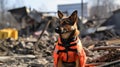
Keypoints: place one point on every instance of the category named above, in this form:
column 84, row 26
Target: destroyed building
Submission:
column 32, row 20
column 114, row 20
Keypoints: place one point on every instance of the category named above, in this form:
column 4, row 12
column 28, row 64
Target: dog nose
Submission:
column 57, row 30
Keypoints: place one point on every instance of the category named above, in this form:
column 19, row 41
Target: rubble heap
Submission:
column 20, row 53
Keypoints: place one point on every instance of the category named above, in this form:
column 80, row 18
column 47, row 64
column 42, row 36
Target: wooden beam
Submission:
column 110, row 63
column 105, row 48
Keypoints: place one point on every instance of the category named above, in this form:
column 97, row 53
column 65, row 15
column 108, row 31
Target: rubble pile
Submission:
column 102, row 49
column 21, row 53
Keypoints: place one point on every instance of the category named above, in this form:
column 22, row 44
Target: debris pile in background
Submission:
column 102, row 50
column 21, row 52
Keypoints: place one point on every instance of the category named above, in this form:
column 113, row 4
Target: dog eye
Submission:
column 69, row 22
column 64, row 23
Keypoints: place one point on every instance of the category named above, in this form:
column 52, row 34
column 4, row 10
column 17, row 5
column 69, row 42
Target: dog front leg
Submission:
column 77, row 63
column 60, row 63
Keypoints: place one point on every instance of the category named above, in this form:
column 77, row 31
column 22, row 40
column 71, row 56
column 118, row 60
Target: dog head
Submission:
column 67, row 26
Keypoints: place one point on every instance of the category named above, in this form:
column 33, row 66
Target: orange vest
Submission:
column 69, row 53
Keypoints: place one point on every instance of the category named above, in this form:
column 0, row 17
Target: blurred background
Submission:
column 27, row 33
column 11, row 16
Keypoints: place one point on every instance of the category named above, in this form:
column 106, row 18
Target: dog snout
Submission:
column 60, row 30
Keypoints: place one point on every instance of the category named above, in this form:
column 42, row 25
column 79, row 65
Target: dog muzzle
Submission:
column 59, row 31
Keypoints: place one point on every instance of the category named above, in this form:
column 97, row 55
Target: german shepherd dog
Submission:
column 68, row 50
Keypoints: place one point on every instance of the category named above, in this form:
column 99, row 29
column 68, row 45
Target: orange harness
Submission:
column 69, row 52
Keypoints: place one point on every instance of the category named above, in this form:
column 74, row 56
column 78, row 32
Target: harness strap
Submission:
column 68, row 45
column 74, row 50
column 66, row 51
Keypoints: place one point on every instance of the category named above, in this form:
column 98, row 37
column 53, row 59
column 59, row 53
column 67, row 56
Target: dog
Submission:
column 68, row 50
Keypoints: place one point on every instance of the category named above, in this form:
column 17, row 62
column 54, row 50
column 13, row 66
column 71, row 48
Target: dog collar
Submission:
column 71, row 41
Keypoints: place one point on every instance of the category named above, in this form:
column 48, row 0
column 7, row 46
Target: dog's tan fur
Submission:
column 70, row 28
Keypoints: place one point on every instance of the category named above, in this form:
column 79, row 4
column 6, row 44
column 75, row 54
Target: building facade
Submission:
column 69, row 8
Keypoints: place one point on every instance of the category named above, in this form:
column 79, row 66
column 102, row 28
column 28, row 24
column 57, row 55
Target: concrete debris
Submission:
column 23, row 52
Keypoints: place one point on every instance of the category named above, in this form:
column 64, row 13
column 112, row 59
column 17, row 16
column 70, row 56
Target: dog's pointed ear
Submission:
column 60, row 14
column 74, row 17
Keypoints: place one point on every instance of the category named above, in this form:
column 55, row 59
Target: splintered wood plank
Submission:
column 113, row 42
column 110, row 63
column 105, row 48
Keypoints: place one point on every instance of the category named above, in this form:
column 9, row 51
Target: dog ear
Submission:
column 60, row 14
column 74, row 17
